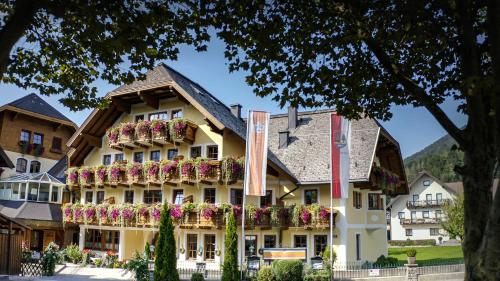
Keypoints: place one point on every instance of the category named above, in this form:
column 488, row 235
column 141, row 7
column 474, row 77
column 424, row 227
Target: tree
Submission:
column 166, row 257
column 230, row 266
column 362, row 57
column 454, row 218
column 63, row 47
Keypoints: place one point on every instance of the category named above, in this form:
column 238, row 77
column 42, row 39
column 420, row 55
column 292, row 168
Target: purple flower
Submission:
column 67, row 212
column 115, row 173
column 187, row 169
column 179, row 127
column 115, row 213
column 306, row 216
column 157, row 128
column 323, row 214
column 78, row 213
column 127, row 129
column 258, row 215
column 155, row 213
column 73, row 176
column 153, row 170
column 89, row 213
column 101, row 173
column 103, row 212
column 176, row 212
column 203, row 169
column 207, row 213
column 237, row 210
column 143, row 211
column 127, row 213
column 85, row 174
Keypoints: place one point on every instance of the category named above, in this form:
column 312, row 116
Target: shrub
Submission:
column 411, row 252
column 139, row 266
column 266, row 274
column 166, row 254
column 288, row 270
column 147, row 251
column 49, row 259
column 74, row 254
column 230, row 270
column 98, row 262
column 326, row 255
column 317, row 275
column 384, row 261
column 408, row 242
column 197, row 276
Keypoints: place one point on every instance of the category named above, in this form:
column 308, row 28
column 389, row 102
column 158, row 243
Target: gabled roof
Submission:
column 59, row 169
column 163, row 76
column 32, row 103
column 5, row 160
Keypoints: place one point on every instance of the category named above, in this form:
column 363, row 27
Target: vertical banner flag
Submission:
column 340, row 142
column 256, row 153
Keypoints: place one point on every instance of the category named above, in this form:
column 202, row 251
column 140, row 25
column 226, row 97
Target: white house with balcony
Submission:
column 418, row 215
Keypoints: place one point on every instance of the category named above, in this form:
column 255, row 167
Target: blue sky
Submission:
column 414, row 128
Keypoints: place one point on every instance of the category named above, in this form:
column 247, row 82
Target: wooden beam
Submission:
column 213, row 128
column 92, row 140
column 149, row 100
column 121, row 105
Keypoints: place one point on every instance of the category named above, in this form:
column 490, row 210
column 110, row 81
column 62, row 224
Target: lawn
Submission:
column 429, row 255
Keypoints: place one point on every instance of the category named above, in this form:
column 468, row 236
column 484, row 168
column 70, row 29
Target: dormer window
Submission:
column 21, row 165
column 35, row 167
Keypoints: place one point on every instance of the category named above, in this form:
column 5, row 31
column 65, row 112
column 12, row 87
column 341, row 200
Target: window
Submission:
column 21, row 165
column 56, row 144
column 89, row 195
column 439, row 214
column 409, row 232
column 15, row 190
column 439, row 197
column 413, row 215
column 428, row 197
column 119, row 157
column 44, row 192
column 129, row 196
column 209, row 246
column 139, row 117
column 37, row 139
column 358, row 246
column 415, row 197
column 159, row 116
column 300, row 241
column 25, row 136
column 35, row 167
column 310, row 196
column 320, row 242
column 36, row 243
column 401, row 215
column 172, row 153
column 102, row 240
column 99, row 197
column 425, row 214
column 375, row 201
column 22, row 195
column 54, row 196
column 266, row 200
column 250, row 245
column 269, row 241
column 177, row 113
column 154, row 155
column 356, row 199
column 191, row 245
column 106, row 159
column 236, row 197
column 177, row 196
column 138, row 157
column 427, row 182
column 213, row 152
column 209, row 195
column 434, row 231
column 152, row 196
column 33, row 191
column 195, row 152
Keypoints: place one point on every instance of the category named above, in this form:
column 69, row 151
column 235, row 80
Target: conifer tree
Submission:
column 230, row 266
column 166, row 258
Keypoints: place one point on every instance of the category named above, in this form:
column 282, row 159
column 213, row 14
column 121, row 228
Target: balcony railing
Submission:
column 420, row 221
column 190, row 215
column 228, row 170
column 426, row 203
column 147, row 133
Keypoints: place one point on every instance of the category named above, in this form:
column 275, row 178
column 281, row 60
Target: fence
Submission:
column 32, row 268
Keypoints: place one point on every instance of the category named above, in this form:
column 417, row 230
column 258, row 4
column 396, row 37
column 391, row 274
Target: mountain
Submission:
column 437, row 158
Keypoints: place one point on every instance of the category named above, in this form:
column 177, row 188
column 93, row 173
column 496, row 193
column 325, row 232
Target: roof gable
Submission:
column 34, row 103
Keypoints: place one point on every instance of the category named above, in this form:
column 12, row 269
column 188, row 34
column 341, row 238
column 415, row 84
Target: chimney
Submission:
column 283, row 139
column 236, row 110
column 292, row 118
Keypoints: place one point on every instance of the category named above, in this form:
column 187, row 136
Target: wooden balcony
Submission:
column 420, row 221
column 426, row 203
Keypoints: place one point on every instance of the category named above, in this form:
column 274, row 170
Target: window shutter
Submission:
column 354, row 198
column 360, row 200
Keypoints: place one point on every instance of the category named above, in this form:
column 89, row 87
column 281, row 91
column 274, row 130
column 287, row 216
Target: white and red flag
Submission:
column 340, row 141
column 256, row 153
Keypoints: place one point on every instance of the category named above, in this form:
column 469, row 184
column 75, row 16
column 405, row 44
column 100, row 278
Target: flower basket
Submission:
column 152, row 171
column 67, row 212
column 102, row 213
column 155, row 213
column 127, row 132
column 135, row 172
column 72, row 176
column 176, row 213
column 142, row 214
column 116, row 173
column 77, row 213
column 101, row 174
column 182, row 130
column 189, row 213
column 113, row 135
column 143, row 130
column 127, row 214
column 86, row 176
column 207, row 170
column 169, row 170
column 89, row 214
column 159, row 130
column 188, row 170
column 232, row 169
column 114, row 214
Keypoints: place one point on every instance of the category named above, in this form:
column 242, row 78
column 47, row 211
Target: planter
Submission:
column 182, row 130
column 412, row 260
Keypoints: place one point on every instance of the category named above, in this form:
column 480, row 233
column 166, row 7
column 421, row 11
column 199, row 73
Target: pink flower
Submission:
column 207, row 213
column 187, row 169
column 85, row 174
column 176, row 212
column 179, row 127
column 324, row 214
column 101, row 173
column 306, row 216
column 73, row 176
column 258, row 215
column 103, row 212
column 153, row 170
column 89, row 213
column 203, row 169
column 127, row 214
column 143, row 211
column 237, row 210
column 67, row 212
column 78, row 213
column 115, row 173
column 155, row 213
column 115, row 213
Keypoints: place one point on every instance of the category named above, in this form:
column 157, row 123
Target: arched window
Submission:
column 21, row 165
column 35, row 167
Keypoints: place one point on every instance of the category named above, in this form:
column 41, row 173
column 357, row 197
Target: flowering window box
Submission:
column 182, row 130
column 152, row 172
column 208, row 170
column 159, row 132
column 135, row 173
column 113, row 135
column 86, row 176
column 169, row 171
column 187, row 170
column 72, row 177
column 143, row 133
column 127, row 134
column 117, row 174
column 101, row 175
column 232, row 169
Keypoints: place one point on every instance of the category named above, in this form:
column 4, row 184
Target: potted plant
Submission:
column 411, row 254
column 168, row 170
column 101, row 173
column 127, row 132
column 72, row 176
column 135, row 172
column 188, row 171
column 232, row 169
column 151, row 169
column 114, row 172
column 142, row 130
column 86, row 175
column 159, row 129
column 113, row 135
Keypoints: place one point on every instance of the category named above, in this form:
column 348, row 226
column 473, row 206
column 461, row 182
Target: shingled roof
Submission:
column 31, row 210
column 307, row 155
column 34, row 103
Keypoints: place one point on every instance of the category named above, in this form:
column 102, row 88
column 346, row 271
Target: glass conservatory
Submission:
column 40, row 187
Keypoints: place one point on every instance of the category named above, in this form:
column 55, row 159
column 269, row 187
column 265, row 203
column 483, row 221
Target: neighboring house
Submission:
column 32, row 141
column 114, row 175
column 418, row 216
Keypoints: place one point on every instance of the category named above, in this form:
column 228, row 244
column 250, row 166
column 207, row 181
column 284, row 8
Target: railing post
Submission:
column 411, row 272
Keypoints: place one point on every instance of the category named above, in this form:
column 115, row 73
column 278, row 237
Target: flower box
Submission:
column 117, row 173
column 187, row 170
column 101, row 175
column 127, row 131
column 113, row 135
column 86, row 176
column 232, row 169
column 72, row 176
column 182, row 130
column 159, row 131
column 152, row 171
column 208, row 170
column 135, row 173
column 169, row 171
column 143, row 132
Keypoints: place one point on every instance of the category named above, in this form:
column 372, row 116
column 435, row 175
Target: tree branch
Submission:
column 16, row 25
column 416, row 91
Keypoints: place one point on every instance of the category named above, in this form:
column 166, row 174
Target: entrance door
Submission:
column 36, row 243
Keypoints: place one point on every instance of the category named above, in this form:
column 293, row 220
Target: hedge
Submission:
column 288, row 270
column 404, row 243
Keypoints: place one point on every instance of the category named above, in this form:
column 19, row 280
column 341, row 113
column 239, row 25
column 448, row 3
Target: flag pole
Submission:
column 242, row 254
column 332, row 140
